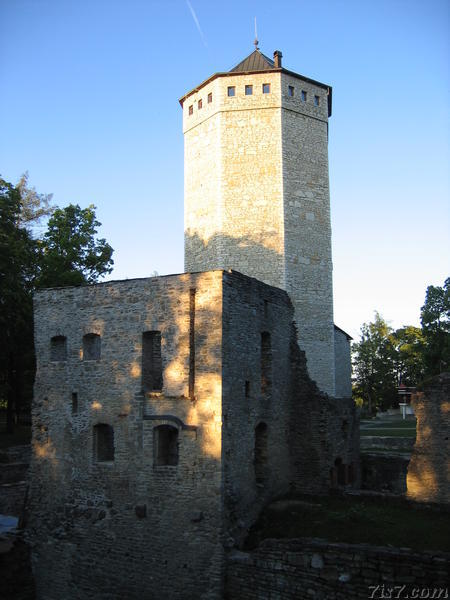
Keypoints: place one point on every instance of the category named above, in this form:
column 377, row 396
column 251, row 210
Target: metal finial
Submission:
column 256, row 37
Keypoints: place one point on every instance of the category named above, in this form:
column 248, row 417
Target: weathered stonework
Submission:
column 257, row 193
column 343, row 364
column 308, row 568
column 249, row 425
column 168, row 411
column 428, row 478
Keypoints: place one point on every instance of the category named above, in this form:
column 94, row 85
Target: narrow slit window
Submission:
column 192, row 343
column 152, row 380
column 248, row 90
column 200, row 104
column 103, row 443
column 260, row 453
column 266, row 363
column 210, row 98
column 304, row 96
column 266, row 88
column 191, row 109
column 316, row 100
column 165, row 448
column 91, row 346
column 291, row 91
column 58, row 348
column 74, row 403
column 231, row 90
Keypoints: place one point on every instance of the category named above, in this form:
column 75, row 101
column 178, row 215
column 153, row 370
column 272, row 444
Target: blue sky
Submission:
column 89, row 106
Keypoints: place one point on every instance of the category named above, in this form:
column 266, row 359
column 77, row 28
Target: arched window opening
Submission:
column 266, row 363
column 260, row 454
column 165, row 445
column 91, row 346
column 103, row 443
column 58, row 348
column 152, row 380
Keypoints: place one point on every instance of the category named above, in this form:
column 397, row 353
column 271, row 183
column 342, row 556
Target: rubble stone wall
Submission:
column 428, row 478
column 127, row 528
column 313, row 568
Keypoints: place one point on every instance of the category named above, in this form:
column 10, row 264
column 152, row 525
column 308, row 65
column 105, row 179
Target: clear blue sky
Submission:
column 89, row 106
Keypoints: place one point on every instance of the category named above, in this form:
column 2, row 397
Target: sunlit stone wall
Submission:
column 127, row 528
column 257, row 195
column 428, row 477
column 249, row 425
column 307, row 228
column 233, row 178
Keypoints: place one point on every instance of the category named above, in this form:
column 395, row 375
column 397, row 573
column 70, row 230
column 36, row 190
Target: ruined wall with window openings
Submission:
column 171, row 438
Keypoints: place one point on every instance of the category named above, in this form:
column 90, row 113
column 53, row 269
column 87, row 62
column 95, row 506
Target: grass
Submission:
column 387, row 424
column 354, row 520
column 389, row 428
column 399, row 433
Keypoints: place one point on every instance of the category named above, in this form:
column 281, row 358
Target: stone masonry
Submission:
column 167, row 412
column 257, row 192
column 428, row 478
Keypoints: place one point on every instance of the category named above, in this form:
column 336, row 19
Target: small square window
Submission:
column 303, row 96
column 248, row 90
column 316, row 100
column 231, row 90
column 210, row 98
column 200, row 104
column 291, row 90
column 191, row 109
column 266, row 88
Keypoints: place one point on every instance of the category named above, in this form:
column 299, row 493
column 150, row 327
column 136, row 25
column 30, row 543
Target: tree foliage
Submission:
column 70, row 252
column 435, row 319
column 18, row 264
column 383, row 358
column 33, row 206
column 373, row 364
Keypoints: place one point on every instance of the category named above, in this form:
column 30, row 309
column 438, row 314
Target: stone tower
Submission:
column 257, row 193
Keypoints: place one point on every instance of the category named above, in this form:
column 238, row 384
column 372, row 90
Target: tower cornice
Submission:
column 328, row 88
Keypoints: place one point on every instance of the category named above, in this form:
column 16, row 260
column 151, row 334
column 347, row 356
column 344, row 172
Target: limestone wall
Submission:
column 428, row 478
column 307, row 228
column 343, row 364
column 233, row 178
column 314, row 568
column 142, row 477
column 257, row 195
column 127, row 527
column 252, row 405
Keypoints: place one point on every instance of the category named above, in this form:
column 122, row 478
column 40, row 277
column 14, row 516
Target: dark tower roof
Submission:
column 256, row 61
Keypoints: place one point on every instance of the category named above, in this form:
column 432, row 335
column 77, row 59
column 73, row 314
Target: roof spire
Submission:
column 256, row 37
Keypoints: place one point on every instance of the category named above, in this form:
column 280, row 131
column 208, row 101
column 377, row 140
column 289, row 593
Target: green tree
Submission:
column 70, row 252
column 409, row 346
column 18, row 260
column 435, row 319
column 33, row 206
column 375, row 376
